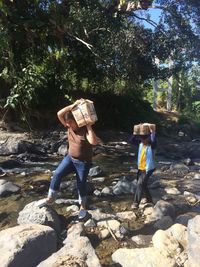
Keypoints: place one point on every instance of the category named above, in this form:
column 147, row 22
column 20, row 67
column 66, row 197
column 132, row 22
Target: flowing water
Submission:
column 34, row 178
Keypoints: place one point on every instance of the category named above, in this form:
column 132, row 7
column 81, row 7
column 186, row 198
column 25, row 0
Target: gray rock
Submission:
column 183, row 219
column 161, row 209
column 194, row 241
column 62, row 150
column 8, row 188
column 10, row 164
column 26, row 245
column 141, row 257
column 45, row 216
column 124, row 186
column 95, row 171
column 164, row 223
column 75, row 245
column 142, row 240
column 107, row 191
column 179, row 168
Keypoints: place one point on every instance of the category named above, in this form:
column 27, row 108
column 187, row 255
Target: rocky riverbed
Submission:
column 112, row 234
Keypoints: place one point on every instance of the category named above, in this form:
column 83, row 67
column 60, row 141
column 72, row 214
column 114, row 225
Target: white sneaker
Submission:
column 43, row 202
column 82, row 214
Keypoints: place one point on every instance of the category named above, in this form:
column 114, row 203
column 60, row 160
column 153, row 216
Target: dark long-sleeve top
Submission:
column 136, row 140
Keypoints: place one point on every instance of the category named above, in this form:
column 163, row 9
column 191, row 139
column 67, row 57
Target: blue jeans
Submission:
column 69, row 165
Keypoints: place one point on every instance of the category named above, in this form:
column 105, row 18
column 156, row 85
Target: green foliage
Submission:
column 55, row 51
column 23, row 92
column 196, row 108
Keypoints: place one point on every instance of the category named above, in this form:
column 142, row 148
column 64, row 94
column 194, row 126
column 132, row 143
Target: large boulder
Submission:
column 194, row 241
column 32, row 214
column 26, row 245
column 141, row 257
column 76, row 246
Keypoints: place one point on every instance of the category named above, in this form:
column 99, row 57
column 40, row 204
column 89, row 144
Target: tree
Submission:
column 56, row 49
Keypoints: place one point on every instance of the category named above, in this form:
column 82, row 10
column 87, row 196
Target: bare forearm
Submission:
column 91, row 136
column 61, row 113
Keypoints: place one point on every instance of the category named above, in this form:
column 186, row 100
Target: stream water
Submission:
column 34, row 178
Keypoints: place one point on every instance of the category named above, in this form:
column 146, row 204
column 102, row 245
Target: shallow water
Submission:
column 34, row 179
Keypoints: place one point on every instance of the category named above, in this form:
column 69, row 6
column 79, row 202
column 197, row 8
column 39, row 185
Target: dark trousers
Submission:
column 142, row 187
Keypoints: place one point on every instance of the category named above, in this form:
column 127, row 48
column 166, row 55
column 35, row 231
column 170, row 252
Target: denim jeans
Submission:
column 142, row 188
column 69, row 165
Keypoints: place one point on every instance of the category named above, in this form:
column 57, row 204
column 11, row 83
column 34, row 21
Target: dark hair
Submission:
column 69, row 116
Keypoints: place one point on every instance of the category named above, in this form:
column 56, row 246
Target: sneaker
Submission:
column 82, row 214
column 43, row 202
column 134, row 206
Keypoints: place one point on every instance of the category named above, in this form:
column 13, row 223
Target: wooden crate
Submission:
column 84, row 113
column 143, row 128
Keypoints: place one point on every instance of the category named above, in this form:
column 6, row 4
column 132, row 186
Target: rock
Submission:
column 72, row 208
column 8, row 188
column 14, row 145
column 45, row 216
column 165, row 208
column 126, row 215
column 97, row 215
column 69, row 261
column 194, row 241
column 112, row 224
column 95, row 171
column 75, row 245
column 172, row 242
column 99, row 179
column 172, row 191
column 62, row 150
column 179, row 233
column 90, row 223
column 26, row 245
column 124, row 186
column 164, row 223
column 188, row 162
column 104, row 233
column 155, row 185
column 107, row 191
column 141, row 257
column 10, row 164
column 183, row 219
column 142, row 240
column 179, row 168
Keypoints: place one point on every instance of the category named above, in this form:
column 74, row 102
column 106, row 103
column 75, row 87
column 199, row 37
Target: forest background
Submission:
column 55, row 51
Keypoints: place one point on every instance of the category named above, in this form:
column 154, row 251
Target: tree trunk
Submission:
column 178, row 101
column 155, row 90
column 169, row 92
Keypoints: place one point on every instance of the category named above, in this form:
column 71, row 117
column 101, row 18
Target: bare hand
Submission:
column 77, row 102
column 151, row 128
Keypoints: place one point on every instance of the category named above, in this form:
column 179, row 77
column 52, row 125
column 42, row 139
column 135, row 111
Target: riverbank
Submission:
column 28, row 159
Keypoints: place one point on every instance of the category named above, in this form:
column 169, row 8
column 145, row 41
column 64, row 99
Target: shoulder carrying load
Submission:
column 84, row 113
column 143, row 128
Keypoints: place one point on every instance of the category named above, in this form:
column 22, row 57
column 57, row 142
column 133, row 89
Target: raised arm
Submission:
column 153, row 137
column 91, row 136
column 134, row 140
column 61, row 113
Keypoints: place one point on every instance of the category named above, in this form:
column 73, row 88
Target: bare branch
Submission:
column 89, row 46
column 147, row 20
